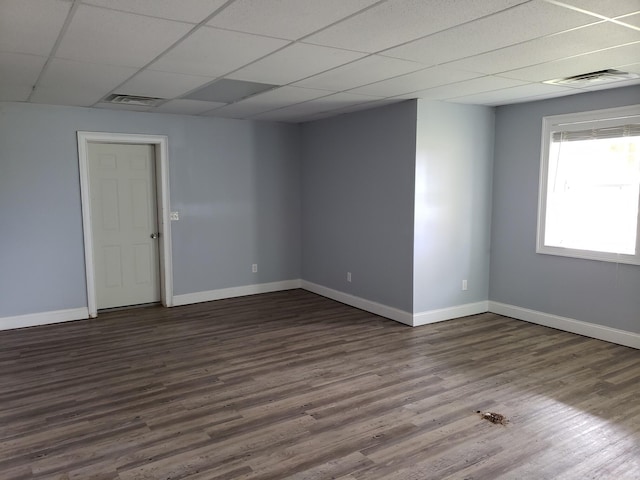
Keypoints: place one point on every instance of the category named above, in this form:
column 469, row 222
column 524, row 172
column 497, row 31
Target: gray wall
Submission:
column 598, row 292
column 358, row 184
column 454, row 158
column 246, row 197
column 235, row 183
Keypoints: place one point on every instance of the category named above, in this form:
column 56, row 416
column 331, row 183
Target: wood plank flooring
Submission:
column 291, row 385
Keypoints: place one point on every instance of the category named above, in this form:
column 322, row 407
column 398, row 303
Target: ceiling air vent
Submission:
column 594, row 78
column 120, row 99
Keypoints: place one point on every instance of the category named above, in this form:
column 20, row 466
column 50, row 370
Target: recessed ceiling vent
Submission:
column 120, row 99
column 594, row 78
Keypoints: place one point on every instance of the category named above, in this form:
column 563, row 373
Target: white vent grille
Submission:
column 594, row 78
column 120, row 99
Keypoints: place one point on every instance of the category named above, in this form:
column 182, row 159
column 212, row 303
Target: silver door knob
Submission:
column 155, row 235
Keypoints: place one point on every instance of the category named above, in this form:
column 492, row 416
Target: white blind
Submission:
column 629, row 130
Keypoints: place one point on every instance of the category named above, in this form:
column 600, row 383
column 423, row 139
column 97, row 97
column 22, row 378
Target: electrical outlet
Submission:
column 254, row 268
column 348, row 276
column 464, row 284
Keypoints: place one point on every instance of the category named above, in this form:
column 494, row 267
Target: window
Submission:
column 589, row 200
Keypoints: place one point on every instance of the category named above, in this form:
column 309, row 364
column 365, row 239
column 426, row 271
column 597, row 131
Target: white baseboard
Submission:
column 361, row 303
column 433, row 316
column 43, row 318
column 621, row 337
column 189, row 298
column 613, row 335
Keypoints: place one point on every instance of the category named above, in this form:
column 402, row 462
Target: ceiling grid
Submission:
column 309, row 59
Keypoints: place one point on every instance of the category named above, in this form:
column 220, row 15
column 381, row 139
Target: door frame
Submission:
column 161, row 151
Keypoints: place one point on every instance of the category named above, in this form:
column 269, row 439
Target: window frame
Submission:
column 578, row 121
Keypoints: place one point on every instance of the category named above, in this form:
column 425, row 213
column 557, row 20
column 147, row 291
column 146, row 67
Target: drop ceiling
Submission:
column 322, row 58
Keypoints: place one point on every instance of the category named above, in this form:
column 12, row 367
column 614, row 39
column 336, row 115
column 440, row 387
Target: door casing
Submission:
column 160, row 144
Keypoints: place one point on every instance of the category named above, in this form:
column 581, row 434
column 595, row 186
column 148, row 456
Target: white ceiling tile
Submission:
column 193, row 11
column 338, row 100
column 412, row 82
column 518, row 24
column 282, row 116
column 83, row 74
column 618, row 84
column 290, row 19
column 330, row 102
column 508, row 95
column 115, row 106
column 19, row 70
column 553, row 47
column 294, row 63
column 287, row 95
column 69, row 82
column 14, row 93
column 568, row 67
column 571, row 91
column 534, row 98
column 273, row 99
column 106, row 36
column 608, row 8
column 214, row 52
column 397, row 21
column 468, row 87
column 317, row 116
column 632, row 67
column 61, row 95
column 151, row 83
column 31, row 26
column 633, row 20
column 187, row 107
column 108, row 41
column 365, row 106
column 235, row 111
column 18, row 74
column 361, row 72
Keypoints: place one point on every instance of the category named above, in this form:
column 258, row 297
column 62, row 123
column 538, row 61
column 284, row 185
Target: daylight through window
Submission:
column 590, row 185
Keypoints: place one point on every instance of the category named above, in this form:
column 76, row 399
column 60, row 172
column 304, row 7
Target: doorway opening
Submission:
column 116, row 273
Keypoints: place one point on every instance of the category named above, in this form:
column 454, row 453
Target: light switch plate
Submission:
column 174, row 216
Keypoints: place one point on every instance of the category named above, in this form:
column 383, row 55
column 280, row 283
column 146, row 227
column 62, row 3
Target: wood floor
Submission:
column 291, row 385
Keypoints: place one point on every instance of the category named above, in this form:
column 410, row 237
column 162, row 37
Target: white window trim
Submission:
column 610, row 116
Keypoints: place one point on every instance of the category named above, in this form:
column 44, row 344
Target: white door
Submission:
column 124, row 224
